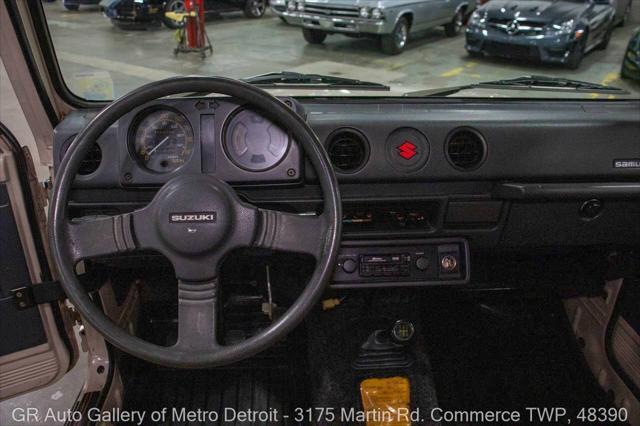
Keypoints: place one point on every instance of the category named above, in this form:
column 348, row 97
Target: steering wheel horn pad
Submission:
column 194, row 213
column 195, row 221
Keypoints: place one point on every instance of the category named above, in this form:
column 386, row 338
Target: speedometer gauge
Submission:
column 253, row 142
column 162, row 140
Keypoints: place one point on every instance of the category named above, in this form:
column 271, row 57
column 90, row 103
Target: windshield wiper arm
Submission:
column 541, row 82
column 289, row 79
column 532, row 82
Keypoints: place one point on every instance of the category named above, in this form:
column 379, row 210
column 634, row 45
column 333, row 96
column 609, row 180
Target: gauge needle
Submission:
column 158, row 146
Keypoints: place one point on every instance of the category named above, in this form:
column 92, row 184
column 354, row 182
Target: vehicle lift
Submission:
column 192, row 37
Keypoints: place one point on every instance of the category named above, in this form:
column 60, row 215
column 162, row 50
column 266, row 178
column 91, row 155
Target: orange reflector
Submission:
column 386, row 401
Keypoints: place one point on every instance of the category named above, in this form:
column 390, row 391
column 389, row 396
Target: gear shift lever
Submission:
column 387, row 348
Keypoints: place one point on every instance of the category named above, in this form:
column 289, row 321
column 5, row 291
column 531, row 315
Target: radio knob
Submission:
column 422, row 263
column 349, row 266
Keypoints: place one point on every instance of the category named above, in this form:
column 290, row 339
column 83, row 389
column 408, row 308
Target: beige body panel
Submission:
column 625, row 343
column 589, row 318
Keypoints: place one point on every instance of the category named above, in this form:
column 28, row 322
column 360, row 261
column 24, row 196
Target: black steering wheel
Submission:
column 195, row 220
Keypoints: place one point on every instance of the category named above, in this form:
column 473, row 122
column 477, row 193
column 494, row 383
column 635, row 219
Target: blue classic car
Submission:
column 75, row 4
column 139, row 13
column 390, row 20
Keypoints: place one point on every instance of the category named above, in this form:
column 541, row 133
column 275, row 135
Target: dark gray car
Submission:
column 546, row 30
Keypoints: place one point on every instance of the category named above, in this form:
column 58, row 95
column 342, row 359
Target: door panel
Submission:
column 32, row 352
column 598, row 23
column 13, row 271
column 590, row 318
column 625, row 348
column 429, row 13
column 624, row 332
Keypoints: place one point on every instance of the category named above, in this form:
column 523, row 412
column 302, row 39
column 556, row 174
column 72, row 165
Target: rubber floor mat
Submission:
column 335, row 340
column 507, row 354
column 216, row 397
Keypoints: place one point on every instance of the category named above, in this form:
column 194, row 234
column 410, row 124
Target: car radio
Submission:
column 405, row 263
column 390, row 265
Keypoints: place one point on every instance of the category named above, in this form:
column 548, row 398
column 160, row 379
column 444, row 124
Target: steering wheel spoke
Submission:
column 290, row 232
column 197, row 316
column 101, row 236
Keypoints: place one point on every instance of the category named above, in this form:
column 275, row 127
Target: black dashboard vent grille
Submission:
column 348, row 150
column 466, row 149
column 91, row 161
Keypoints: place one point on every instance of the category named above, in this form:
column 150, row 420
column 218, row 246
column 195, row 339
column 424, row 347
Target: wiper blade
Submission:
column 539, row 82
column 532, row 82
column 291, row 79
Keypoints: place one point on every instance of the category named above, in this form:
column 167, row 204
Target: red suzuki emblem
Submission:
column 407, row 150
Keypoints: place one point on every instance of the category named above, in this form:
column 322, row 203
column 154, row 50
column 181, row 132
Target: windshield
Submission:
column 353, row 47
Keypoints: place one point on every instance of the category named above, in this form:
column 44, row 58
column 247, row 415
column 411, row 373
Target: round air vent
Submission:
column 91, row 161
column 465, row 148
column 348, row 150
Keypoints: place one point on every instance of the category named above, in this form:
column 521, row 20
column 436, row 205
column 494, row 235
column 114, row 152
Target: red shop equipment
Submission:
column 192, row 37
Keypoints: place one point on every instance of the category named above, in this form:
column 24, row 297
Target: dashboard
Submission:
column 419, row 178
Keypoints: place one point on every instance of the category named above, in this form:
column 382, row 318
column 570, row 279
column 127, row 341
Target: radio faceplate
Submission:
column 364, row 264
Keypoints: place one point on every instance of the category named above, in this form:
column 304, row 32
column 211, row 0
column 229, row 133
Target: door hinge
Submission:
column 37, row 294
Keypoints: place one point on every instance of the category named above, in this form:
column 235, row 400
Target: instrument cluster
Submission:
column 174, row 136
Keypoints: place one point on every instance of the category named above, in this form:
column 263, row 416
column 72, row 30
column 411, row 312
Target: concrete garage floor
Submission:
column 89, row 47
